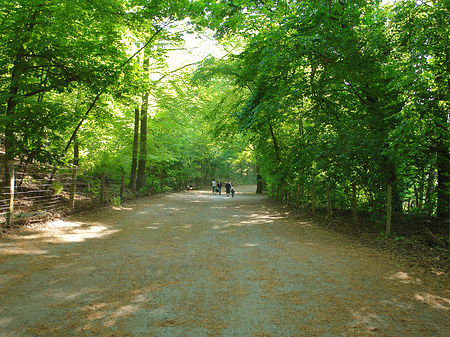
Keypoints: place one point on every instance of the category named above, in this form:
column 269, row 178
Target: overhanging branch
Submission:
column 97, row 97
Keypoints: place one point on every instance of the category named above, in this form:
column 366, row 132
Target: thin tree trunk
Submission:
column 392, row 180
column 313, row 200
column 329, row 206
column 76, row 153
column 259, row 184
column 354, row 204
column 275, row 144
column 135, row 150
column 10, row 109
column 16, row 74
column 161, row 180
column 11, row 175
column 428, row 205
column 122, row 187
column 86, row 114
column 389, row 210
column 141, row 174
column 443, row 189
column 73, row 186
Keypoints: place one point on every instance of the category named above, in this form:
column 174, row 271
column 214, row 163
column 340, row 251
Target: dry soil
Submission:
column 198, row 264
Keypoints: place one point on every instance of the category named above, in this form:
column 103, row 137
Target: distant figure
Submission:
column 219, row 187
column 213, row 184
column 232, row 192
column 228, row 188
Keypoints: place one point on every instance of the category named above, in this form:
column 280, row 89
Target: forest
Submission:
column 320, row 103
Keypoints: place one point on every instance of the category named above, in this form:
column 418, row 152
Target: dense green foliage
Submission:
column 75, row 69
column 343, row 92
column 327, row 92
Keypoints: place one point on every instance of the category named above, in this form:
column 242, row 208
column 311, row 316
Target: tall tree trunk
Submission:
column 16, row 74
column 161, row 179
column 430, row 188
column 392, row 180
column 141, row 174
column 443, row 153
column 275, row 144
column 259, row 181
column 10, row 109
column 135, row 150
column 76, row 153
column 443, row 188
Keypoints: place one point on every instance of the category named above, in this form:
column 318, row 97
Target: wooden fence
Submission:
column 309, row 197
column 288, row 194
column 39, row 191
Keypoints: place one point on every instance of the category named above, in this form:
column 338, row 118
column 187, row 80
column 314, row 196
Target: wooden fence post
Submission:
column 354, row 204
column 102, row 189
column 10, row 214
column 73, row 185
column 329, row 209
column 389, row 210
column 313, row 201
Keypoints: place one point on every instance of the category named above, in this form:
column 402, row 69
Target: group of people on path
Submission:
column 217, row 188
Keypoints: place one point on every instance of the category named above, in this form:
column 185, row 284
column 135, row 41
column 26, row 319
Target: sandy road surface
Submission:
column 194, row 264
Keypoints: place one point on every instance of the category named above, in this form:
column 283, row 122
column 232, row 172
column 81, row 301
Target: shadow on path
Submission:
column 198, row 264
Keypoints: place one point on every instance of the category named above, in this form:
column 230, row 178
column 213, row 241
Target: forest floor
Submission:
column 197, row 264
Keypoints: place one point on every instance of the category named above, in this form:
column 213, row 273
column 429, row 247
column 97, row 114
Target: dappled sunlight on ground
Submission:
column 366, row 319
column 31, row 240
column 197, row 264
column 305, row 224
column 122, row 311
column 62, row 224
column 198, row 201
column 121, row 208
column 86, row 233
column 61, row 296
column 218, row 207
column 22, row 251
column 435, row 301
column 4, row 321
column 250, row 244
column 403, row 277
column 108, row 314
column 395, row 303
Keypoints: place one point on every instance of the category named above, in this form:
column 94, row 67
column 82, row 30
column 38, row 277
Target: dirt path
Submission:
column 194, row 264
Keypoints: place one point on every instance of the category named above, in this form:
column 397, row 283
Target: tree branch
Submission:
column 103, row 90
column 176, row 70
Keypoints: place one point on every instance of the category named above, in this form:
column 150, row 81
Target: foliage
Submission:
column 313, row 93
column 347, row 92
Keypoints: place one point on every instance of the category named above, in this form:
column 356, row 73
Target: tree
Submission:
column 141, row 173
column 46, row 54
column 134, row 159
column 422, row 44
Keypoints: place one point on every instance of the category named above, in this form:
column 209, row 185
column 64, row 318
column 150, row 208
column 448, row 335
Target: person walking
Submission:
column 213, row 184
column 219, row 187
column 228, row 188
